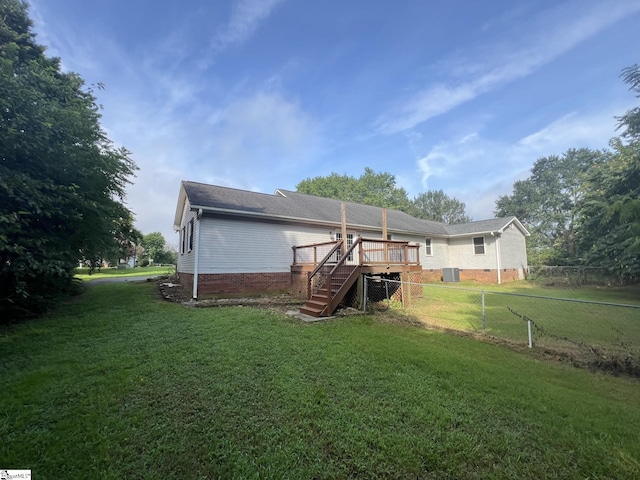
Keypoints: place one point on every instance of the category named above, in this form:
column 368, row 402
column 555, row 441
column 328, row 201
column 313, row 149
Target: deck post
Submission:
column 343, row 226
column 384, row 235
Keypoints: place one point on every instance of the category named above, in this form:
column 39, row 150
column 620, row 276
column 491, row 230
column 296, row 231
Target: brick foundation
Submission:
column 238, row 283
column 480, row 276
column 299, row 279
column 483, row 276
column 295, row 282
column 432, row 275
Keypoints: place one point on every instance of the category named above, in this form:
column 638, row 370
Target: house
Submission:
column 240, row 242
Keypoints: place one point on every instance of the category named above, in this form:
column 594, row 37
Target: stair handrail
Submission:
column 346, row 254
column 322, row 263
column 331, row 298
column 326, row 258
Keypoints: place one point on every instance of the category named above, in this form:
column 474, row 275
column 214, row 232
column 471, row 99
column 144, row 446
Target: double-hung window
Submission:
column 478, row 245
column 427, row 246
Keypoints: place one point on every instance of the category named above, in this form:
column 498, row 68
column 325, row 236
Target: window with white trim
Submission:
column 183, row 235
column 427, row 246
column 478, row 245
column 190, row 243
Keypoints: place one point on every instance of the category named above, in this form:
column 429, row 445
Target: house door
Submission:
column 349, row 243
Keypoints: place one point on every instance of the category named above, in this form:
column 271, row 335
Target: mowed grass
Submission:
column 118, row 384
column 106, row 272
column 557, row 323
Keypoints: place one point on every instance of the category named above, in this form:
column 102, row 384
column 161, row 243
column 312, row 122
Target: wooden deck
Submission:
column 331, row 273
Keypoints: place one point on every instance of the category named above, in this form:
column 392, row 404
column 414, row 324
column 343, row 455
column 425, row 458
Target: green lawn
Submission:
column 83, row 273
column 117, row 384
column 596, row 333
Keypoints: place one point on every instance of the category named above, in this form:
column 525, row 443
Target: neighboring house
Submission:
column 238, row 242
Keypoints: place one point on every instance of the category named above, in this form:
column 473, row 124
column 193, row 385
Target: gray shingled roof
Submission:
column 299, row 206
column 480, row 226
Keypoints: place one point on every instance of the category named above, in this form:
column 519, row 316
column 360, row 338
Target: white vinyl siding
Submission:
column 513, row 249
column 186, row 259
column 240, row 246
column 461, row 254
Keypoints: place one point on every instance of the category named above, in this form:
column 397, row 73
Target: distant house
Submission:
column 241, row 242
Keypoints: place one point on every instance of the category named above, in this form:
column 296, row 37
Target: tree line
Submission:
column 583, row 207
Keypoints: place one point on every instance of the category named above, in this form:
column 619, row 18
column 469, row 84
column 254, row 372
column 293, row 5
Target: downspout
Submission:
column 498, row 256
column 196, row 259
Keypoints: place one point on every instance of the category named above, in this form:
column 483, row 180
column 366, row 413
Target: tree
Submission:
column 154, row 245
column 548, row 202
column 62, row 182
column 630, row 121
column 371, row 188
column 610, row 235
column 438, row 206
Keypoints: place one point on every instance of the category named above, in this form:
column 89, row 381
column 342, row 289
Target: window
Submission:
column 184, row 239
column 427, row 246
column 478, row 245
column 191, row 234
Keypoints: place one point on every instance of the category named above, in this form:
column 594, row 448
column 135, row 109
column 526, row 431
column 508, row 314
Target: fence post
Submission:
column 483, row 317
column 529, row 332
column 386, row 289
column 364, row 294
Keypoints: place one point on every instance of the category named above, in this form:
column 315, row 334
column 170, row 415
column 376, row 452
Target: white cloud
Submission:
column 555, row 34
column 250, row 143
column 246, row 16
column 477, row 170
column 263, row 126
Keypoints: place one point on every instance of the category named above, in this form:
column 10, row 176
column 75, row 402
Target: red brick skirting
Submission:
column 238, row 283
column 477, row 275
column 295, row 282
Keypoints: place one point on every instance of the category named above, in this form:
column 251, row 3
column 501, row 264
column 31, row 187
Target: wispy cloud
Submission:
column 500, row 65
column 246, row 16
column 478, row 156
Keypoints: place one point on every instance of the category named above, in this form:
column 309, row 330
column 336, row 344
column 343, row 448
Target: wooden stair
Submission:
column 325, row 301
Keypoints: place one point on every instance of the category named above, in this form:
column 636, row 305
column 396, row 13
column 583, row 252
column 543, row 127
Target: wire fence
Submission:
column 595, row 334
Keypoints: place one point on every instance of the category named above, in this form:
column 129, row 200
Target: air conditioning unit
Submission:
column 450, row 274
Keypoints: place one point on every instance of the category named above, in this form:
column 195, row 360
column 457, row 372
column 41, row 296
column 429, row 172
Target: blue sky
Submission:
column 461, row 96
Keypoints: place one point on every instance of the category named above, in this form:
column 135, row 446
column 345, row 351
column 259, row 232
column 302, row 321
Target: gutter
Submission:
column 498, row 235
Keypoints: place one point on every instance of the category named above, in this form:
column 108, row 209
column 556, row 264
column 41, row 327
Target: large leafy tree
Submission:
column 610, row 235
column 371, row 188
column 438, row 206
column 62, row 181
column 548, row 203
column 154, row 246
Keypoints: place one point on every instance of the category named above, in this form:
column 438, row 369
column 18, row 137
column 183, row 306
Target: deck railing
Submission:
column 369, row 251
column 373, row 251
column 314, row 253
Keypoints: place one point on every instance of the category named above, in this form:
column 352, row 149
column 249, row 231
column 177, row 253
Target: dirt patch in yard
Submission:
column 172, row 291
